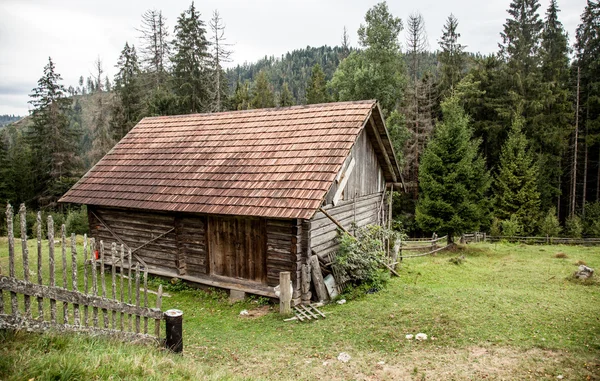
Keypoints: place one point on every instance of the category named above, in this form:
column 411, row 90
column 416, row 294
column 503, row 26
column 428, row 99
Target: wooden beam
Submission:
column 343, row 180
column 383, row 150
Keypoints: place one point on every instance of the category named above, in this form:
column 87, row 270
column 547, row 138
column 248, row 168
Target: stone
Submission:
column 584, row 272
column 236, row 296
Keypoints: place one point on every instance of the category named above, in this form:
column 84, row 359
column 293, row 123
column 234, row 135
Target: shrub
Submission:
column 591, row 222
column 77, row 221
column 512, row 227
column 573, row 227
column 496, row 228
column 360, row 259
column 550, row 225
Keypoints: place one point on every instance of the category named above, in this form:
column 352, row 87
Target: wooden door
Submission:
column 237, row 248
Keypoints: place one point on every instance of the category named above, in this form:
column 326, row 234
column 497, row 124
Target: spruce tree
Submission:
column 316, row 89
column 452, row 58
column 557, row 116
column 263, row 92
column 515, row 186
column 241, row 96
column 155, row 48
column 128, row 106
column 453, row 178
column 53, row 144
column 587, row 49
column 286, row 98
column 191, row 63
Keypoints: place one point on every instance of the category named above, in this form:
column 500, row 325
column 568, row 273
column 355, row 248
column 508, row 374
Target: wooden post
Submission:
column 306, row 294
column 285, row 296
column 130, row 325
column 317, row 278
column 51, row 266
column 25, row 251
column 39, row 264
column 113, row 256
column 63, row 242
column 174, row 327
column 85, row 278
column 76, row 319
column 158, row 307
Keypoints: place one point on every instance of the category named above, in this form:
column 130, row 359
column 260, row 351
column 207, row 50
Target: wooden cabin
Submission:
column 231, row 199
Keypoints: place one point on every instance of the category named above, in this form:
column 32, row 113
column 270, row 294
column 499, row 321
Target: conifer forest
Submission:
column 507, row 143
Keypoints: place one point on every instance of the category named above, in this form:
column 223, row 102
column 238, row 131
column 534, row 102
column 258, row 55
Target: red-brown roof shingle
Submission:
column 269, row 162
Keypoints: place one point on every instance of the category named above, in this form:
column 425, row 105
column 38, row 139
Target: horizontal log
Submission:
column 30, row 325
column 69, row 296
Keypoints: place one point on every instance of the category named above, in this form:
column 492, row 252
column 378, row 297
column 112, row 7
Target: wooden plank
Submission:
column 113, row 273
column 137, row 296
column 121, row 294
column 344, row 180
column 158, row 308
column 384, row 152
column 70, row 296
column 14, row 306
column 285, row 295
column 317, row 279
column 103, row 279
column 145, row 299
column 85, row 278
column 94, row 280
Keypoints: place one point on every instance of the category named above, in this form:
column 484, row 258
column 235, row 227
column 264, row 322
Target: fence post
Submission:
column 174, row 328
column 285, row 297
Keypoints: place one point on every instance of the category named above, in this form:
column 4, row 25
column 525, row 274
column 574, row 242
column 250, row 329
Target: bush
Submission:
column 77, row 221
column 496, row 228
column 591, row 222
column 512, row 227
column 550, row 226
column 573, row 227
column 360, row 259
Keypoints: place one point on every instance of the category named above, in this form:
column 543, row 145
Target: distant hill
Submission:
column 8, row 119
column 293, row 67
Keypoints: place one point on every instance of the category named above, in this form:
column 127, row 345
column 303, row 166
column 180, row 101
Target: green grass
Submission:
column 508, row 312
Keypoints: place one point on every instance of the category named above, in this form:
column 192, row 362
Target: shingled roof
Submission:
column 270, row 162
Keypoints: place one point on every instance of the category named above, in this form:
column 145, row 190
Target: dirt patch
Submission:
column 256, row 312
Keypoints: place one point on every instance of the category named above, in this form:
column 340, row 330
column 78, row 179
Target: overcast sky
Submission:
column 74, row 32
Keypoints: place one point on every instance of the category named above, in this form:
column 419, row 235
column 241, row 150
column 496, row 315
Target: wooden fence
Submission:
column 483, row 237
column 95, row 309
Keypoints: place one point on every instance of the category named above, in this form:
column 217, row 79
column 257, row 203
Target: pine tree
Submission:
column 53, row 144
column 452, row 58
column 155, row 49
column 286, row 98
column 515, row 185
column 128, row 109
column 242, row 96
column 221, row 54
column 191, row 63
column 263, row 92
column 316, row 89
column 557, row 114
column 453, row 178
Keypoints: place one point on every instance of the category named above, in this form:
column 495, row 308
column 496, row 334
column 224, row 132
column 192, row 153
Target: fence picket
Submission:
column 25, row 251
column 94, row 279
column 122, row 274
column 113, row 252
column 76, row 319
column 137, row 295
column 145, row 298
column 63, row 241
column 14, row 306
column 130, row 325
column 51, row 266
column 158, row 307
column 103, row 279
column 39, row 264
column 85, row 278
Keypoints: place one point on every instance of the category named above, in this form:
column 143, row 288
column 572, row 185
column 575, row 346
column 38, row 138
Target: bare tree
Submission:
column 416, row 42
column 154, row 44
column 97, row 75
column 345, row 44
column 221, row 53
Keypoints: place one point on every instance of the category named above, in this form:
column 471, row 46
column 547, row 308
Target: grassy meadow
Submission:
column 509, row 311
